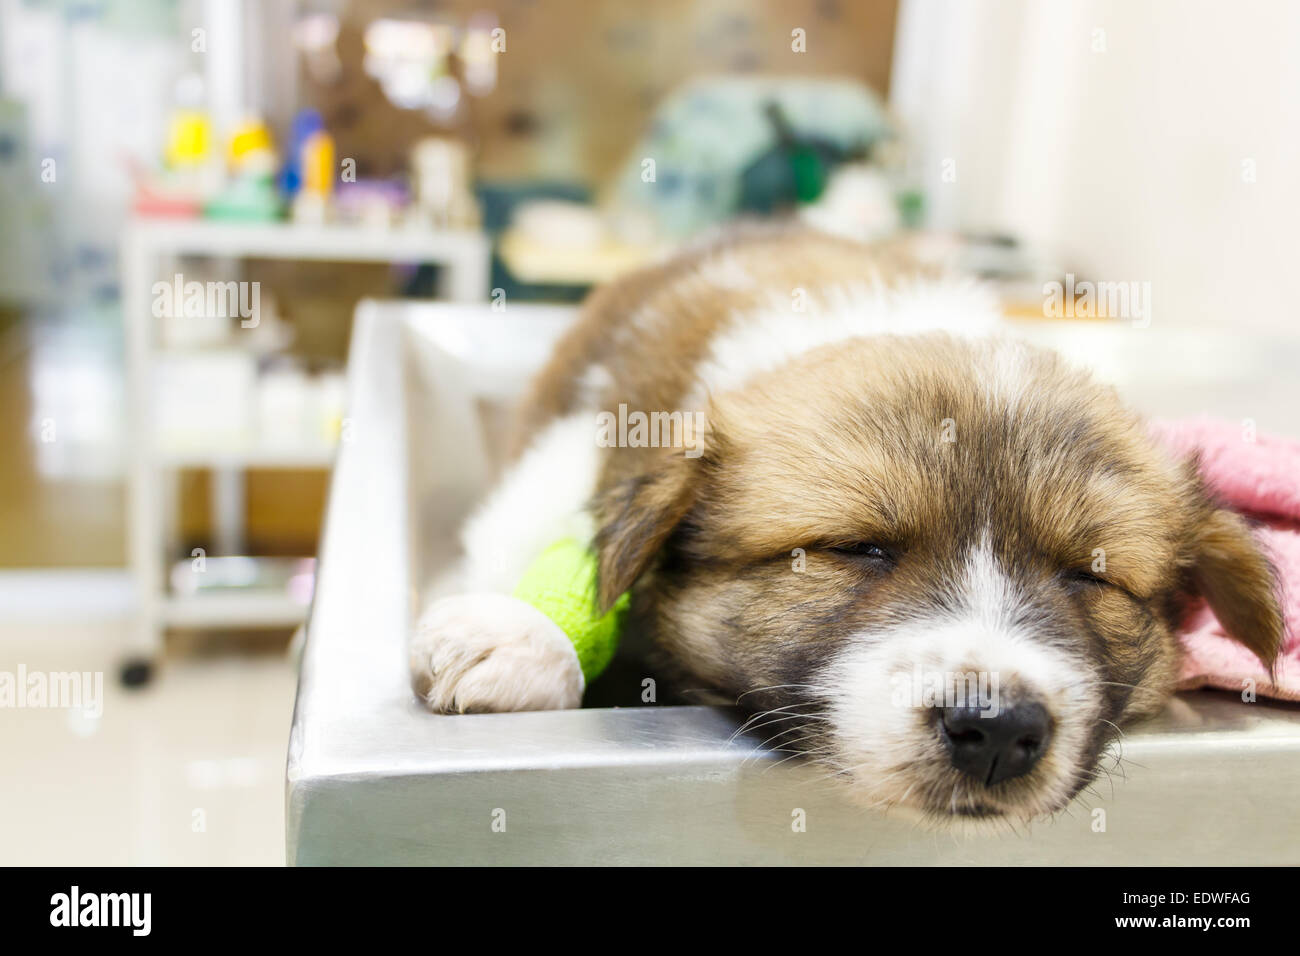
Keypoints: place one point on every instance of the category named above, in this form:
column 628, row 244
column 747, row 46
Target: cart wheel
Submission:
column 136, row 672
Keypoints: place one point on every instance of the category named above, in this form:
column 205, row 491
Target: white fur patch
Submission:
column 771, row 337
column 1008, row 376
column 541, row 499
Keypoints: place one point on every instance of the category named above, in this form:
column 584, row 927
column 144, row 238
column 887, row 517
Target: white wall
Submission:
column 1130, row 158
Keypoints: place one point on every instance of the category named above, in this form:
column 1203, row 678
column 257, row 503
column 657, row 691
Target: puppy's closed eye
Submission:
column 867, row 552
column 1077, row 579
column 1086, row 581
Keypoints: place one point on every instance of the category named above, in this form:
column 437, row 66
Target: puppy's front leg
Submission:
column 483, row 650
column 480, row 653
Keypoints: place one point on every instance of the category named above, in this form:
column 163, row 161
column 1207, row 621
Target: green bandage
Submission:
column 561, row 583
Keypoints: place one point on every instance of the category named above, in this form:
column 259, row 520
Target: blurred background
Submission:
column 195, row 195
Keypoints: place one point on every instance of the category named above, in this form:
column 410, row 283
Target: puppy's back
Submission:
column 643, row 339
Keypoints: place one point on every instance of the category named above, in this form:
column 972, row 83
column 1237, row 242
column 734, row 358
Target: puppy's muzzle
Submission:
column 995, row 746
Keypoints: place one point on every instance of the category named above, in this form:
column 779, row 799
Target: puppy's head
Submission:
column 949, row 570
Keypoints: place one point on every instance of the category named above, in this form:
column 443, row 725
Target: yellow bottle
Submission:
column 318, row 164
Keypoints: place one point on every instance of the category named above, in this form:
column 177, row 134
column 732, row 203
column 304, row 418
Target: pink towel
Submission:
column 1258, row 475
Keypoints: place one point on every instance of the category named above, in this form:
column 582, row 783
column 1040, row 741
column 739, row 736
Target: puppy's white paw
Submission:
column 489, row 653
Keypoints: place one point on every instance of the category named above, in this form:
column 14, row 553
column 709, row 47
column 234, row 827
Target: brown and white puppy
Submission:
column 947, row 566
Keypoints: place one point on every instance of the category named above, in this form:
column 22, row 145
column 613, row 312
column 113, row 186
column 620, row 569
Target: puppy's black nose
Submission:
column 995, row 748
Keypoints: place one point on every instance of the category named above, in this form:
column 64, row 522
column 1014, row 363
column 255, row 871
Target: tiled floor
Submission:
column 189, row 770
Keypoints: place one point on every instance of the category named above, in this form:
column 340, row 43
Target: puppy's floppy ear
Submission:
column 1237, row 580
column 635, row 516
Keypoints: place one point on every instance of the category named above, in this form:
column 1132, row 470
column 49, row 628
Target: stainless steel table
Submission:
column 372, row 778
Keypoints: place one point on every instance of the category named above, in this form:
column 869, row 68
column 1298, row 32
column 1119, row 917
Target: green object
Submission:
column 809, row 174
column 248, row 199
column 911, row 206
column 561, row 583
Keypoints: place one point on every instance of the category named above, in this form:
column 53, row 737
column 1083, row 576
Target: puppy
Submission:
column 950, row 566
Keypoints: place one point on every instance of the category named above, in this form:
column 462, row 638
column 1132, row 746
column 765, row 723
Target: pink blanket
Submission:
column 1258, row 475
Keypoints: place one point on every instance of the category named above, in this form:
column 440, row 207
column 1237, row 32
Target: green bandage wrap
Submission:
column 561, row 583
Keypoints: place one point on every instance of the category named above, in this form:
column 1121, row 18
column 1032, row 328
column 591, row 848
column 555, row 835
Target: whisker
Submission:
column 752, row 722
column 758, row 690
